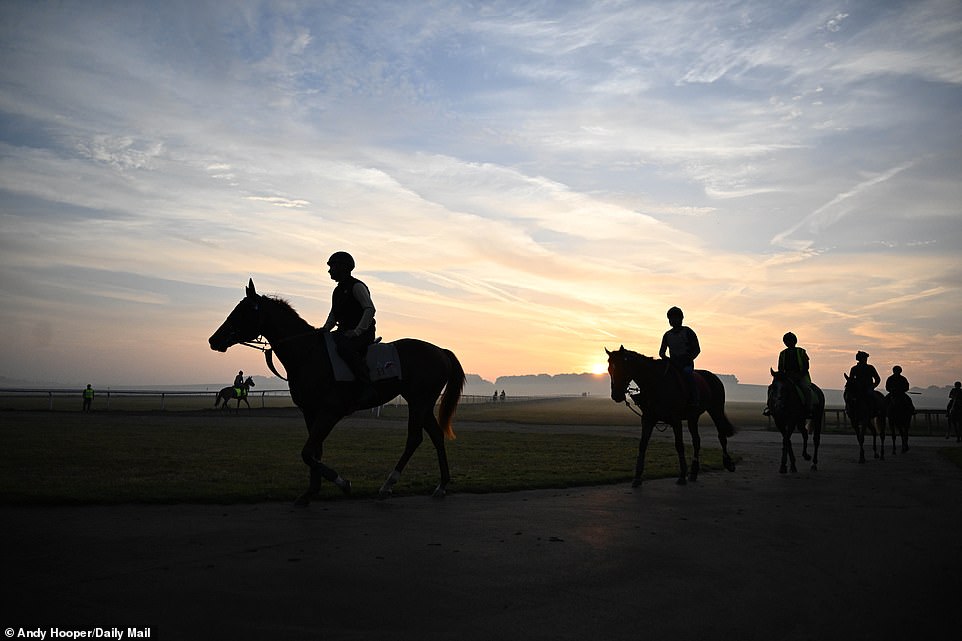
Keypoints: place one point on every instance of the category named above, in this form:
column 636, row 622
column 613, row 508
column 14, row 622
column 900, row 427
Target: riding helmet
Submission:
column 790, row 339
column 675, row 311
column 341, row 258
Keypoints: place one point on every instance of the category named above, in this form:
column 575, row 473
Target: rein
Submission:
column 630, row 393
column 261, row 344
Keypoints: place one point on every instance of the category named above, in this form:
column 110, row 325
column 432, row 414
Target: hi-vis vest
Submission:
column 88, row 393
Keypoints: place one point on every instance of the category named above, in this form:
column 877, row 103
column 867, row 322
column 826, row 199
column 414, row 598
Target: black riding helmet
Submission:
column 675, row 311
column 341, row 258
column 790, row 339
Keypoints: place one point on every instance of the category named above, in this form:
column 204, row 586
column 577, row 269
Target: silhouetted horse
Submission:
column 426, row 370
column 899, row 410
column 865, row 412
column 240, row 393
column 663, row 396
column 789, row 413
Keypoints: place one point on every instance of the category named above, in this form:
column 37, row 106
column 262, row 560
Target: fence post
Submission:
column 50, row 403
column 163, row 399
column 108, row 400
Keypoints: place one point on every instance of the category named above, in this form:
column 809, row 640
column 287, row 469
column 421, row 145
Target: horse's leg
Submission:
column 695, row 449
column 311, row 455
column 816, row 439
column 786, row 445
column 878, row 431
column 680, row 449
column 860, row 435
column 414, row 439
column 646, row 429
column 437, row 439
column 791, row 450
column 803, row 430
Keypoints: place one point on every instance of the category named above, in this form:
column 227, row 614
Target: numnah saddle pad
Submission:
column 382, row 361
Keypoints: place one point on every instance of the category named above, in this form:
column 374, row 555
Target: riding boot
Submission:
column 366, row 392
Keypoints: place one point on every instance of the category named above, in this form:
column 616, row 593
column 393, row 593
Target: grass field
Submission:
column 210, row 457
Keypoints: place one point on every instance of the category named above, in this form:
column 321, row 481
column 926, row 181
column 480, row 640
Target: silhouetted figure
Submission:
column 794, row 363
column 88, row 396
column 502, row 396
column 680, row 346
column 896, row 383
column 954, row 412
column 494, row 397
column 863, row 377
column 239, row 379
column 352, row 316
column 899, row 407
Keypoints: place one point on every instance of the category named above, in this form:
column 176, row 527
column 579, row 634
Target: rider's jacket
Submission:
column 346, row 309
column 794, row 362
column 897, row 384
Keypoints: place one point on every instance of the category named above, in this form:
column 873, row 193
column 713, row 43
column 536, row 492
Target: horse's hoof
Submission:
column 345, row 487
column 783, row 470
column 794, row 470
column 384, row 495
column 636, row 483
column 439, row 493
column 814, row 467
column 806, row 456
column 682, row 481
column 728, row 463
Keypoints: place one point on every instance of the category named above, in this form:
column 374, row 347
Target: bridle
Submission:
column 263, row 345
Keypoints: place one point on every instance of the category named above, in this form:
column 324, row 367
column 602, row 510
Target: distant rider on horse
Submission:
column 680, row 346
column 793, row 362
column 863, row 377
column 352, row 314
column 896, row 383
column 239, row 389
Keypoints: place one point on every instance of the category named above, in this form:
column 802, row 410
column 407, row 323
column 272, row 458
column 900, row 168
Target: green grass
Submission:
column 206, row 457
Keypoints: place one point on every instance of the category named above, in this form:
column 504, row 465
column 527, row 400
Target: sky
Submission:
column 524, row 183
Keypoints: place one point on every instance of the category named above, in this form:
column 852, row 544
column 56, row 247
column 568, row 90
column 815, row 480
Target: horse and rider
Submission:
column 433, row 376
column 795, row 403
column 670, row 391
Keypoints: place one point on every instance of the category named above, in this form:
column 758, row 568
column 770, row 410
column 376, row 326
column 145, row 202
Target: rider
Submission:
column 793, row 362
column 682, row 344
column 352, row 313
column 896, row 383
column 239, row 384
column 863, row 376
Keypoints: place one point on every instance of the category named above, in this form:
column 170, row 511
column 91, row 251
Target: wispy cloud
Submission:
column 525, row 183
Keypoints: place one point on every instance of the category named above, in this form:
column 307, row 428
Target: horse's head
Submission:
column 618, row 371
column 249, row 382
column 777, row 391
column 243, row 324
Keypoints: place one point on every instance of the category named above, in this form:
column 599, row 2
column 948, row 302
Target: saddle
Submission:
column 382, row 361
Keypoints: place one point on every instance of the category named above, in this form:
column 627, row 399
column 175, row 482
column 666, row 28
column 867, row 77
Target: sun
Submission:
column 599, row 368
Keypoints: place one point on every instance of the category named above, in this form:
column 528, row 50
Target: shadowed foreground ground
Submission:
column 849, row 552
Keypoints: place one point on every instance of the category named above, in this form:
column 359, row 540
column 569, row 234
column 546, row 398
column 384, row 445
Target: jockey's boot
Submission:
column 366, row 392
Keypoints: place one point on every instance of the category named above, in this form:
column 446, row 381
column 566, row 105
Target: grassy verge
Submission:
column 204, row 457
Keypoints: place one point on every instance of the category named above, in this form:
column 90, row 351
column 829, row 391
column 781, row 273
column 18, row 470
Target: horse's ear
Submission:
column 251, row 292
column 845, row 375
column 772, row 371
column 621, row 349
column 607, row 352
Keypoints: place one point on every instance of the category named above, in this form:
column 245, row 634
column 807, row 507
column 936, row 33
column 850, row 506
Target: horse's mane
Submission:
column 636, row 356
column 285, row 305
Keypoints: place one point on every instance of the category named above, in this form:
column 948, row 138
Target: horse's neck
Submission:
column 645, row 371
column 285, row 325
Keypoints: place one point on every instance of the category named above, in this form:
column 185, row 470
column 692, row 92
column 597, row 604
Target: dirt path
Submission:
column 849, row 552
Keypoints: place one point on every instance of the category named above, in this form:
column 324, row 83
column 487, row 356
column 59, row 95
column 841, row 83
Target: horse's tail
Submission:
column 818, row 408
column 716, row 408
column 452, row 394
